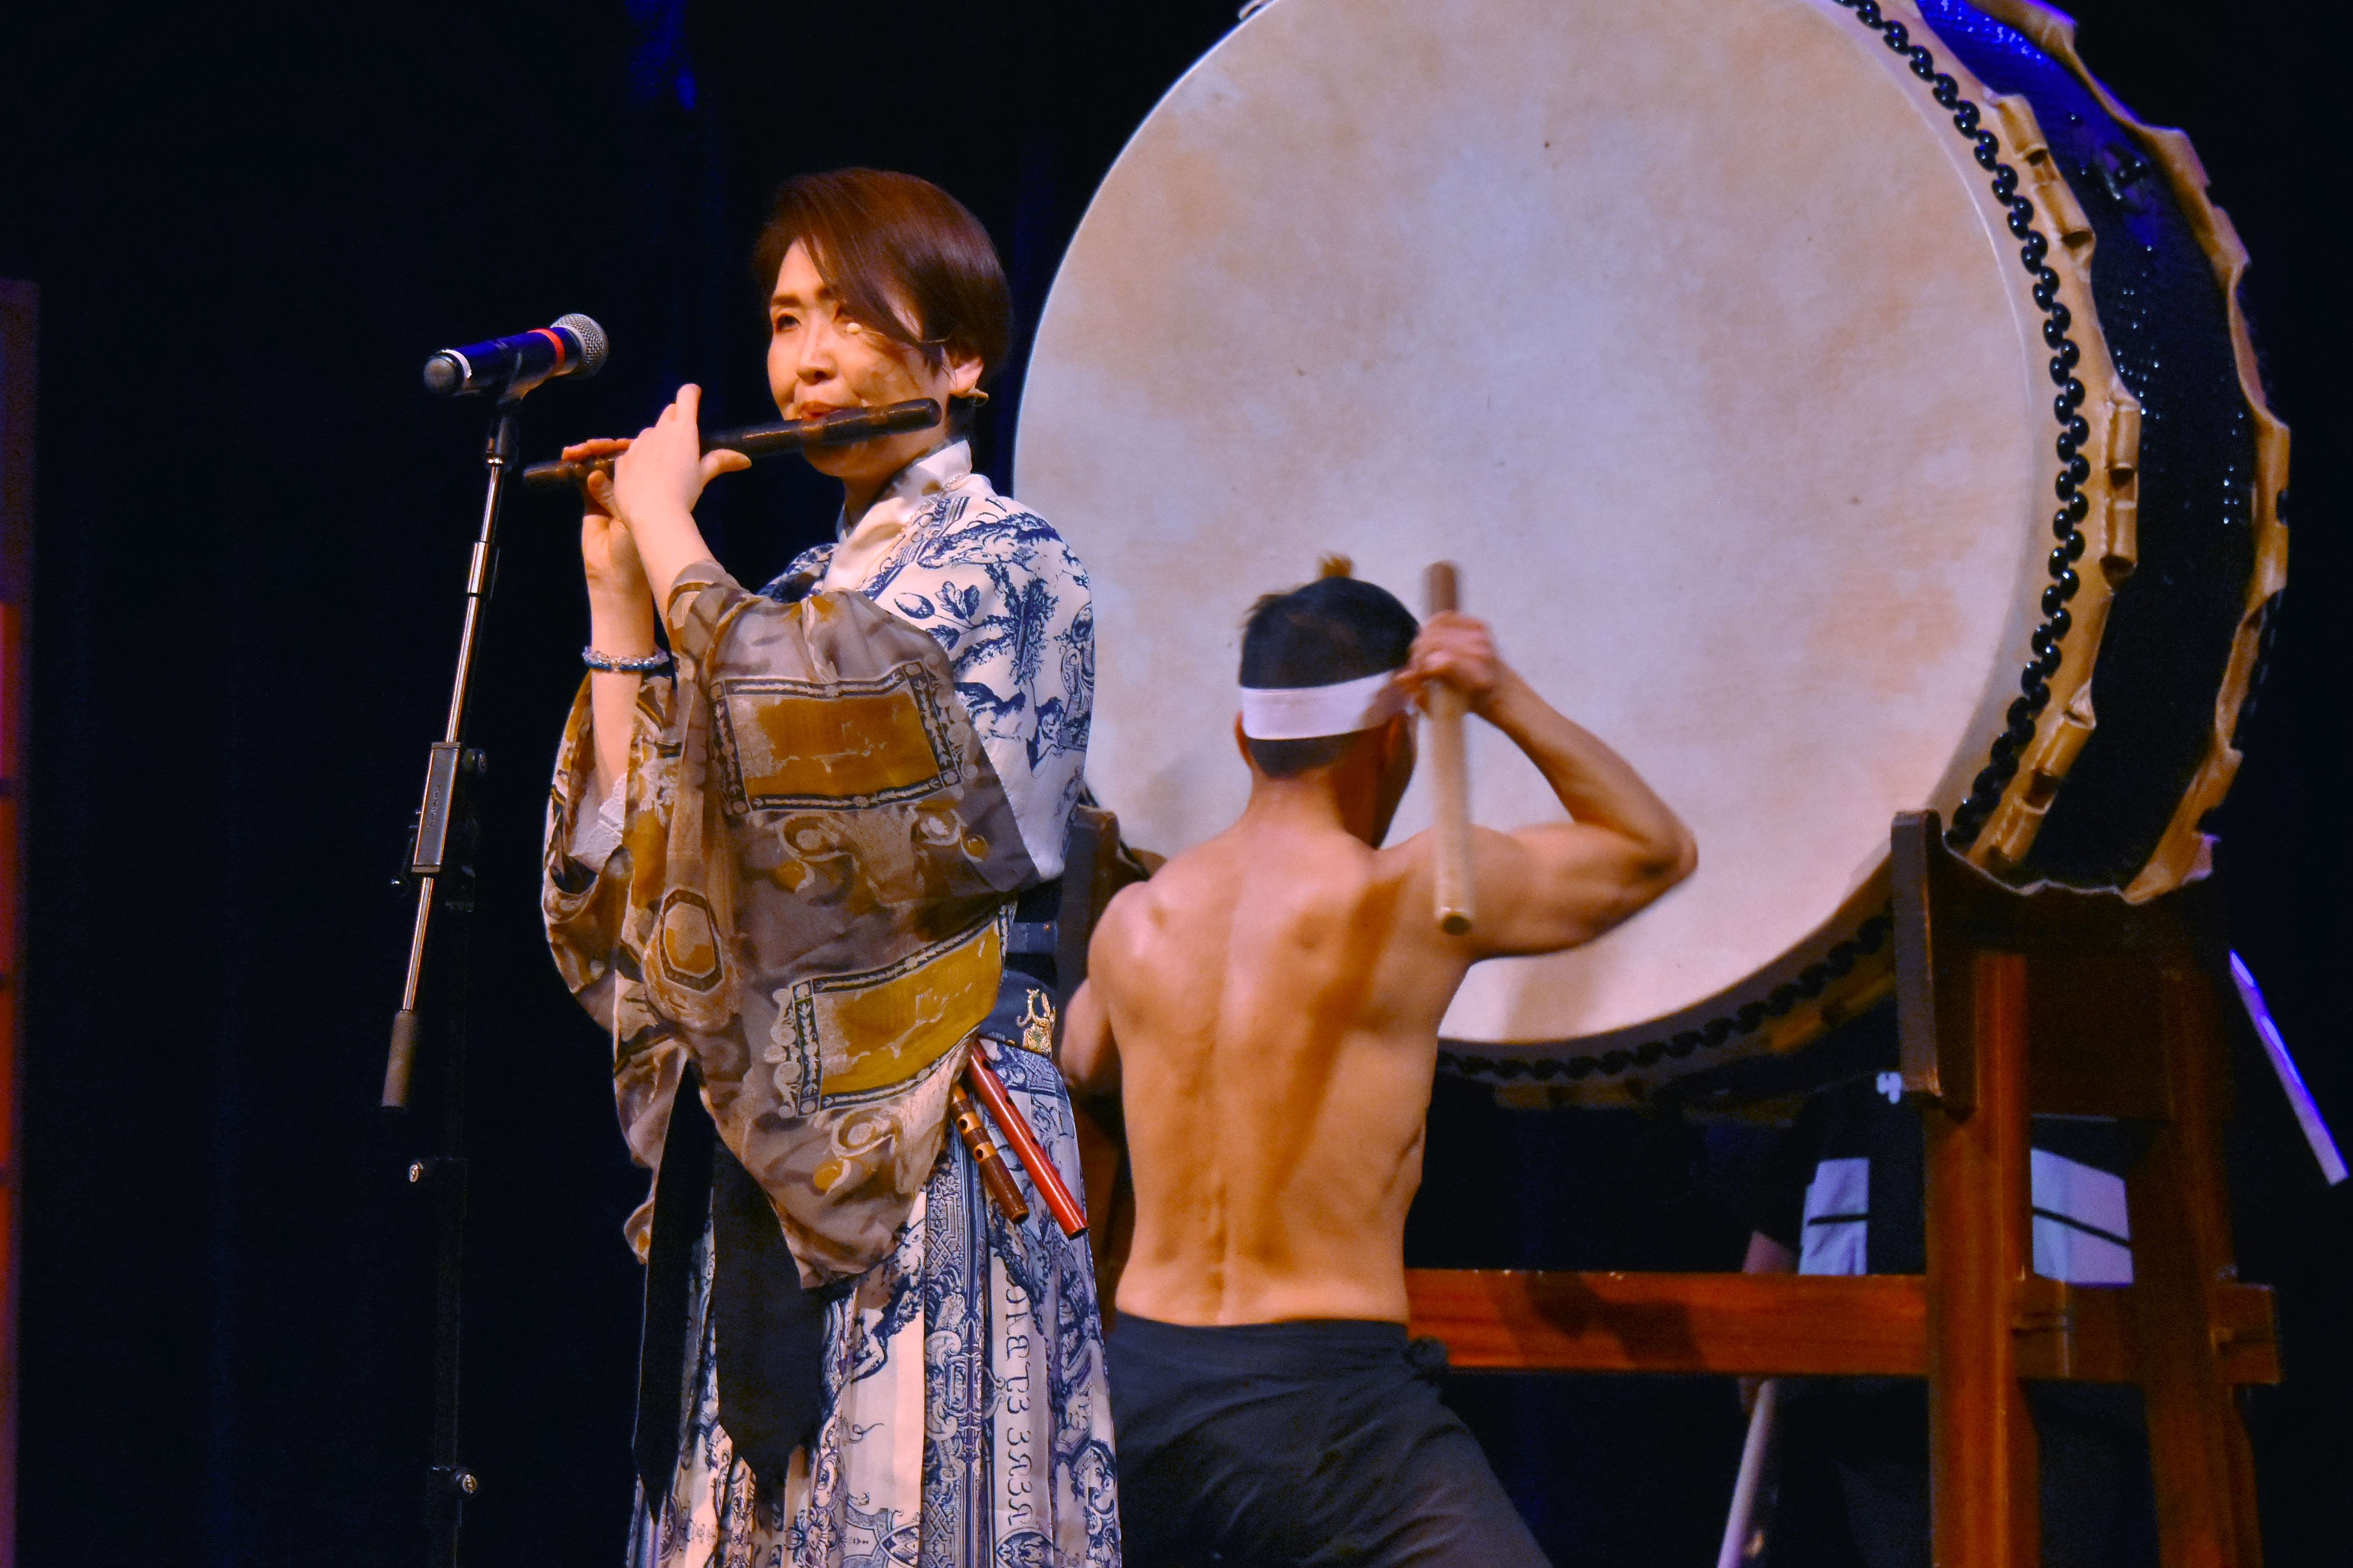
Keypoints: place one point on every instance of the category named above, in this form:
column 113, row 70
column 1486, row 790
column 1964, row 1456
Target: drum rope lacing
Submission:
column 2034, row 683
column 2074, row 432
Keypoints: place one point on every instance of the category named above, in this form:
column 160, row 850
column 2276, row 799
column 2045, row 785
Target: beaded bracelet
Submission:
column 614, row 664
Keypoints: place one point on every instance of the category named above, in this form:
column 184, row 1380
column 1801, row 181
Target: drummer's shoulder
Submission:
column 1403, row 860
column 1179, row 889
column 1128, row 920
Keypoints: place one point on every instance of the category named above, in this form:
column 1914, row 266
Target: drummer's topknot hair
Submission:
column 1335, row 628
column 890, row 243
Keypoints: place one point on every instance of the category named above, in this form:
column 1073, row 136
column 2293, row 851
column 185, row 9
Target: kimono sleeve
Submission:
column 586, row 874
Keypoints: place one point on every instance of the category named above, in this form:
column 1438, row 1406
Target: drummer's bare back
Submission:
column 1267, row 1007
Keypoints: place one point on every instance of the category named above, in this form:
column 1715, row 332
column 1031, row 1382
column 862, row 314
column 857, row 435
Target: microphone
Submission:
column 840, row 427
column 575, row 345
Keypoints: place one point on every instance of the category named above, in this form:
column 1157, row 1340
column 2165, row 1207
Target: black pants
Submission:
column 1303, row 1443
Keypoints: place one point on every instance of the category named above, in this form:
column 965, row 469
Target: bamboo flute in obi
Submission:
column 981, row 1099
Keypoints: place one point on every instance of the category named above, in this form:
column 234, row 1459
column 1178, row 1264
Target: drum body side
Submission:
column 2122, row 805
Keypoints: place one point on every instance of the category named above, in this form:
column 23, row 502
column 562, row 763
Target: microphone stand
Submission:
column 440, row 863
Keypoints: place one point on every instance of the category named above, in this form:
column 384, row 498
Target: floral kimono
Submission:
column 799, row 901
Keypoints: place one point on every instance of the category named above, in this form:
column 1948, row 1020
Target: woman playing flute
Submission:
column 785, row 868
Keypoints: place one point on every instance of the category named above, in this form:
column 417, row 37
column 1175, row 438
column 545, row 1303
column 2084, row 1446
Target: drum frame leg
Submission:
column 2008, row 1002
column 2203, row 1469
column 1982, row 1490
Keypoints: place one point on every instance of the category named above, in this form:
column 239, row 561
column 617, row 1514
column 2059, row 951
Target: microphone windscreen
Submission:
column 593, row 345
column 442, row 375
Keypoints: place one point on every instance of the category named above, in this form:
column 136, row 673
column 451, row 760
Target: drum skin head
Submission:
column 1689, row 330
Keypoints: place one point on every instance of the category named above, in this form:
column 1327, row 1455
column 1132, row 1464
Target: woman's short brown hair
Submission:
column 890, row 245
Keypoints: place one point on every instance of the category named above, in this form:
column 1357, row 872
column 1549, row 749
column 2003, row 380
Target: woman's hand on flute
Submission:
column 608, row 556
column 656, row 483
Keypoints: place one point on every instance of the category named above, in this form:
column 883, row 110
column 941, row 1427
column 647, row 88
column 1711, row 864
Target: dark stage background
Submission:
column 248, row 226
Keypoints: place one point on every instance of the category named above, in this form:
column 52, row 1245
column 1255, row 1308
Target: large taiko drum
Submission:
column 1840, row 408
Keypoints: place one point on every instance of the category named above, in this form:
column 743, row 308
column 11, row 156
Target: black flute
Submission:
column 758, row 441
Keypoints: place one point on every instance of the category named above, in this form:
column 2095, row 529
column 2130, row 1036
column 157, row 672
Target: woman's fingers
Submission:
column 681, row 412
column 681, row 409
column 723, row 461
column 589, row 451
column 686, row 407
column 665, row 470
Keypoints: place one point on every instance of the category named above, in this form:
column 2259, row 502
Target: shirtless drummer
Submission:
column 1267, row 1009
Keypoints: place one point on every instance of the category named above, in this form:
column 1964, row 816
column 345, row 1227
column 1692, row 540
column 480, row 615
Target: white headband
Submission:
column 1309, row 713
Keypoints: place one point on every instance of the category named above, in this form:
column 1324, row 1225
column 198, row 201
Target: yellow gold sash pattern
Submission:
column 873, row 1033
column 796, row 743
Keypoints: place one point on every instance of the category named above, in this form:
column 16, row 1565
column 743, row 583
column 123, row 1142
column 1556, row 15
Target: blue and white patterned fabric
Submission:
column 967, row 1422
column 967, row 1416
column 1010, row 606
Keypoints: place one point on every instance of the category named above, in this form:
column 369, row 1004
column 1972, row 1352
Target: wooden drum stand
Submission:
column 2008, row 1002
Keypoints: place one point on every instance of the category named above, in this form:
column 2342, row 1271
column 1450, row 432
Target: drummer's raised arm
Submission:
column 1088, row 1054
column 1553, row 886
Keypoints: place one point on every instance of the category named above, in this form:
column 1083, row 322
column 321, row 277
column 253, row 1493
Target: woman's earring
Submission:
column 975, row 397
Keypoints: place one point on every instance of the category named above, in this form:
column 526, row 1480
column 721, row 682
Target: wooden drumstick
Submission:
column 1449, row 778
